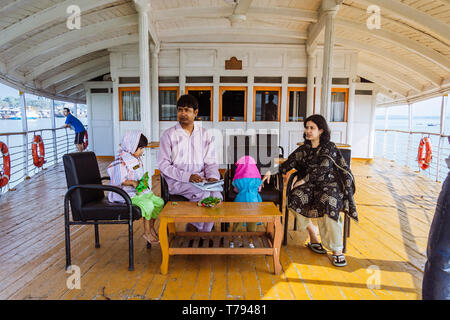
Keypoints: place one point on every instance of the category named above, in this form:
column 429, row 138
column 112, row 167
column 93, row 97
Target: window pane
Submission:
column 233, row 105
column 204, row 104
column 266, row 106
column 168, row 105
column 297, row 105
column 131, row 107
column 337, row 106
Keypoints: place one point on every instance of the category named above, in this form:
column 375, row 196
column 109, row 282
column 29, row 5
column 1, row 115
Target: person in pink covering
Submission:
column 247, row 184
column 187, row 154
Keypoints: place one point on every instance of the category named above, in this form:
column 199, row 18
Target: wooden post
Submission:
column 155, row 91
column 351, row 110
column 23, row 111
column 441, row 132
column 310, row 84
column 144, row 68
column 372, row 125
column 329, row 14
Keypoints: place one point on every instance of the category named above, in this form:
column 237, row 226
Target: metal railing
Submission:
column 402, row 146
column 57, row 142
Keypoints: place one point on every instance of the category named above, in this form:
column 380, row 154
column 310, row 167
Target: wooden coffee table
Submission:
column 266, row 242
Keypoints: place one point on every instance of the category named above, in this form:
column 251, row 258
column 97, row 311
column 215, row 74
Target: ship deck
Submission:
column 395, row 206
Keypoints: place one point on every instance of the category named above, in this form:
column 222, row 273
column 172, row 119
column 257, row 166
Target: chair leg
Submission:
column 286, row 222
column 67, row 234
column 295, row 223
column 346, row 232
column 97, row 240
column 130, row 246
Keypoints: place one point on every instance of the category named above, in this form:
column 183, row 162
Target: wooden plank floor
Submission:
column 395, row 205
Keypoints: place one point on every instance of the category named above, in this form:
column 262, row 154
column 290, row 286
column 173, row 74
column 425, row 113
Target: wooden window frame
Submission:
column 163, row 88
column 203, row 88
column 345, row 90
column 293, row 89
column 233, row 88
column 279, row 101
column 121, row 90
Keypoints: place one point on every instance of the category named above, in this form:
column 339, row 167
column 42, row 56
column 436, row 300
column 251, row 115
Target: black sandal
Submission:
column 339, row 260
column 316, row 247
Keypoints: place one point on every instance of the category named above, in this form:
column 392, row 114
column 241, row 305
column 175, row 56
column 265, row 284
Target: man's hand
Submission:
column 195, row 178
column 298, row 183
column 266, row 177
column 212, row 179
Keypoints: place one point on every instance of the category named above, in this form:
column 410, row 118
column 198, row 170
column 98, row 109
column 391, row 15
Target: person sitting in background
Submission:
column 187, row 154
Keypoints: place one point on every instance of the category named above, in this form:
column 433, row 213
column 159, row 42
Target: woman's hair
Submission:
column 321, row 123
column 143, row 142
column 187, row 100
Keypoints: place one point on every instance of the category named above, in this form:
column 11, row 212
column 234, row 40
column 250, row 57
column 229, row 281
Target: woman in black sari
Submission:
column 325, row 187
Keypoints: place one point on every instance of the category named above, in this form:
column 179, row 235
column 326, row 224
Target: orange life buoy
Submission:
column 424, row 160
column 5, row 175
column 38, row 159
column 85, row 140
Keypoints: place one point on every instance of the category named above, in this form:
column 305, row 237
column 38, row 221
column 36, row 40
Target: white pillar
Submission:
column 441, row 131
column 327, row 69
column 351, row 110
column 310, row 84
column 317, row 107
column 372, row 125
column 155, row 91
column 23, row 111
column 52, row 115
column 75, row 110
column 144, row 69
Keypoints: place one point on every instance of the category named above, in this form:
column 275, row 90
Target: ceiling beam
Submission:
column 71, row 37
column 37, row 20
column 81, row 68
column 391, row 73
column 401, row 61
column 73, row 91
column 412, row 16
column 401, row 41
column 80, row 51
column 78, row 80
column 385, row 83
column 12, row 5
column 203, row 30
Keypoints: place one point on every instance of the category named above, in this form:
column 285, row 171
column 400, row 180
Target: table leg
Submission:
column 171, row 226
column 164, row 242
column 277, row 246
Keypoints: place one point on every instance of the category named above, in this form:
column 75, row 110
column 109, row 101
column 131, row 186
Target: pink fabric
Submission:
column 125, row 166
column 246, row 168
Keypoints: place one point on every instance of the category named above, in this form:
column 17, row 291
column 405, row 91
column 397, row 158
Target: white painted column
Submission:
column 372, row 125
column 182, row 77
column 351, row 110
column 23, row 111
column 155, row 91
column 441, row 131
column 52, row 116
column 144, row 70
column 327, row 69
column 75, row 110
column 386, row 117
column 310, row 84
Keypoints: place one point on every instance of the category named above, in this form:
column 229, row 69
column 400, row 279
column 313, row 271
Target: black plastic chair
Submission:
column 88, row 203
column 346, row 153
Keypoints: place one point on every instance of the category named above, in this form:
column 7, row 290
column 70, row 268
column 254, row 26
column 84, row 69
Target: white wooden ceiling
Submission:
column 408, row 57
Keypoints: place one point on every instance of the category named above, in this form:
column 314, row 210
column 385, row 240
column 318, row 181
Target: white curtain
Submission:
column 131, row 106
column 337, row 106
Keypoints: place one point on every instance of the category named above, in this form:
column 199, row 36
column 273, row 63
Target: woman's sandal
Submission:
column 316, row 247
column 339, row 260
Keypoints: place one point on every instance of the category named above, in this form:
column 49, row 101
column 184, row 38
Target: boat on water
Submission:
column 129, row 61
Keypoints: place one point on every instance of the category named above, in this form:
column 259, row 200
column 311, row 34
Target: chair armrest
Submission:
column 102, row 187
column 105, row 178
column 291, row 181
column 282, row 151
column 164, row 190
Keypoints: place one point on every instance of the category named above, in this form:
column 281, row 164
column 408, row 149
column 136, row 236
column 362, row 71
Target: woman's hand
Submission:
column 298, row 183
column 266, row 177
column 131, row 183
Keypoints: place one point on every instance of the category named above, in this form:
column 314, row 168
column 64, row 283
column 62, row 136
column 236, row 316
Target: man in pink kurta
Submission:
column 187, row 154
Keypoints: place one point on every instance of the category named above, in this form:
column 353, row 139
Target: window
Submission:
column 267, row 104
column 205, row 101
column 233, row 104
column 129, row 104
column 296, row 104
column 168, row 97
column 339, row 102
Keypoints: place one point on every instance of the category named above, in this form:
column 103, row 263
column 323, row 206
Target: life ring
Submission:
column 424, row 160
column 38, row 159
column 85, row 140
column 5, row 175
